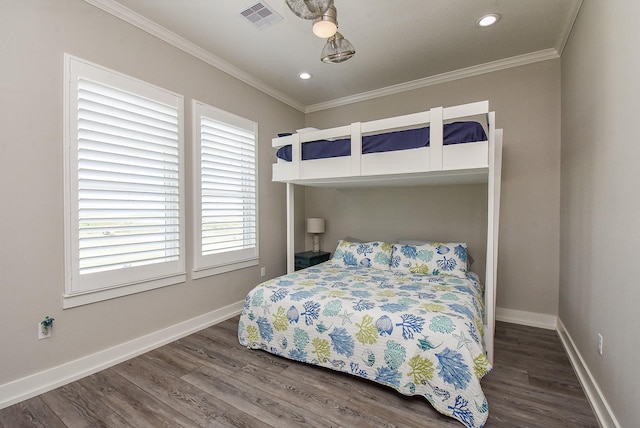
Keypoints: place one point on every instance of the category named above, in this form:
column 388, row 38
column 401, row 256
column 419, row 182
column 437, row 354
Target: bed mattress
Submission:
column 453, row 133
column 419, row 334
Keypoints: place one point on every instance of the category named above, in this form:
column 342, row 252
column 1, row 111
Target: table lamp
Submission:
column 315, row 226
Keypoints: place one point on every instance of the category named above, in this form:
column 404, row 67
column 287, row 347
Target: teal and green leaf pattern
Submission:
column 374, row 254
column 434, row 258
column 417, row 333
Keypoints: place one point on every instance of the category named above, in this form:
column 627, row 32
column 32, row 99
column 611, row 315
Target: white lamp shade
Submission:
column 315, row 225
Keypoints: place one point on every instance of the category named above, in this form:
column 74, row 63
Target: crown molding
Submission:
column 570, row 19
column 145, row 24
column 463, row 73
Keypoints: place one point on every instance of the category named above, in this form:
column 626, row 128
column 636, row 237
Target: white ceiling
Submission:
column 399, row 44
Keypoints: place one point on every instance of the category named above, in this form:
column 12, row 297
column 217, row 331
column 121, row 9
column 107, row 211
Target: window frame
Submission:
column 207, row 265
column 120, row 282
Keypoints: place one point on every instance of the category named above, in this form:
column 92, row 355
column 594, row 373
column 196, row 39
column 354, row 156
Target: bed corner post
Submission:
column 290, row 228
column 493, row 202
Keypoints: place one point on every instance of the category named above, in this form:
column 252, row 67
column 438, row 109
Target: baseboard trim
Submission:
column 600, row 406
column 532, row 319
column 38, row 383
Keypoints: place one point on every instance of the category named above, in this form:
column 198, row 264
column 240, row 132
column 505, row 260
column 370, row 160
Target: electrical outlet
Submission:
column 263, row 271
column 43, row 333
column 600, row 340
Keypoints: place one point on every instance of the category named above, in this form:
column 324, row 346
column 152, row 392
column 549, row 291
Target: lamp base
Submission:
column 316, row 243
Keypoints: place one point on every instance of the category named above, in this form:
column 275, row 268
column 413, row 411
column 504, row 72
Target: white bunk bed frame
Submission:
column 477, row 162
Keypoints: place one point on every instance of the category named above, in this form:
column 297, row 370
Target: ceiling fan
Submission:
column 325, row 25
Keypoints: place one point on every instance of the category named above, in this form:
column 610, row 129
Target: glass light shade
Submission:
column 309, row 9
column 337, row 49
column 326, row 25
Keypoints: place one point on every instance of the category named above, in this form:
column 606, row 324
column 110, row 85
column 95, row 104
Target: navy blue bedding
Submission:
column 454, row 133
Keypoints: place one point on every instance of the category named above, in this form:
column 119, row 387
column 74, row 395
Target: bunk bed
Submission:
column 409, row 315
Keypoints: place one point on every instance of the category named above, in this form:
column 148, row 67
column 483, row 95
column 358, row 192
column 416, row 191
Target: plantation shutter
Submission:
column 228, row 211
column 127, row 213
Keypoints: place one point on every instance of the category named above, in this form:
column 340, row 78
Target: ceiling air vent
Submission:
column 261, row 15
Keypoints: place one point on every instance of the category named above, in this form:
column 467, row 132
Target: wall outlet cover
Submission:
column 43, row 333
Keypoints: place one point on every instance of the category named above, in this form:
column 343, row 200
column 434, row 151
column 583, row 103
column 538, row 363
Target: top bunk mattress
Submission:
column 453, row 133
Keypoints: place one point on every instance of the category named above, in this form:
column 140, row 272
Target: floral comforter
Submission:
column 419, row 334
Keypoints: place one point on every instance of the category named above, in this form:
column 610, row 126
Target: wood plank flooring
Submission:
column 208, row 379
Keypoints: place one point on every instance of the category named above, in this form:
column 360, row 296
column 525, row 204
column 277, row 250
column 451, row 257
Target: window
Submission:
column 124, row 185
column 225, row 179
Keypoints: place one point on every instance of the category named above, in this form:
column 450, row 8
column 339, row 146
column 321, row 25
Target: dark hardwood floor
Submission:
column 208, row 379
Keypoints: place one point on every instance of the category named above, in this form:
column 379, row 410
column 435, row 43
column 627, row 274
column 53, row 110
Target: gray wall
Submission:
column 35, row 35
column 599, row 290
column 526, row 100
column 527, row 104
column 392, row 213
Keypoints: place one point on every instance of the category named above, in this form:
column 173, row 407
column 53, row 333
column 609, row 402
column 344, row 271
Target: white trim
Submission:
column 574, row 8
column 463, row 73
column 98, row 286
column 224, row 261
column 217, row 270
column 93, row 296
column 532, row 319
column 594, row 394
column 145, row 24
column 41, row 382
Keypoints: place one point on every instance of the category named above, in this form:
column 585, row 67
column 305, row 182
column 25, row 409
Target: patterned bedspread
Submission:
column 419, row 334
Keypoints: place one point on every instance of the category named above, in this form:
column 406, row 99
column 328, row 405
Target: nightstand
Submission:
column 309, row 258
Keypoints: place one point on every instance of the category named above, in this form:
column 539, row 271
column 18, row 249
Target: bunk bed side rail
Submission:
column 462, row 156
column 326, row 134
column 466, row 110
column 387, row 124
column 427, row 160
column 321, row 134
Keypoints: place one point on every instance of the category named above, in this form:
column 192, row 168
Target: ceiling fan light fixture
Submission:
column 337, row 50
column 326, row 25
column 309, row 9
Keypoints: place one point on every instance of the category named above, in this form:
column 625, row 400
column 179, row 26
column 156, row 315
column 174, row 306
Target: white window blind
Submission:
column 125, row 179
column 227, row 199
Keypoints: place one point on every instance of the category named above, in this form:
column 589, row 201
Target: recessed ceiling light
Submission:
column 305, row 76
column 489, row 19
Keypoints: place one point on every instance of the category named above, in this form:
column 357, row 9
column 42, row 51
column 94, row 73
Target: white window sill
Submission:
column 79, row 299
column 216, row 270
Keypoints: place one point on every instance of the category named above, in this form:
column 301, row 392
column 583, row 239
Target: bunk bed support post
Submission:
column 493, row 218
column 296, row 154
column 290, row 228
column 437, row 162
